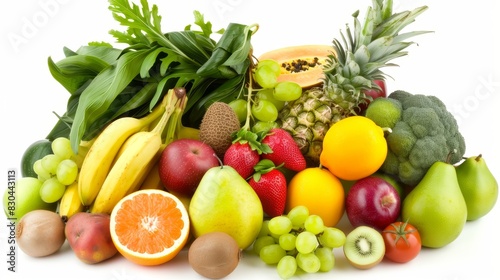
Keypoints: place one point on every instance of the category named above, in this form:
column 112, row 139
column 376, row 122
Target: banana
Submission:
column 100, row 157
column 135, row 162
column 152, row 180
column 70, row 203
column 83, row 149
column 188, row 133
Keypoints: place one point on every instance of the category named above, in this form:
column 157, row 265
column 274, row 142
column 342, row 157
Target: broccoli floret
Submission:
column 427, row 132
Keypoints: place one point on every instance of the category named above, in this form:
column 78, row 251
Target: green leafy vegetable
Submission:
column 107, row 83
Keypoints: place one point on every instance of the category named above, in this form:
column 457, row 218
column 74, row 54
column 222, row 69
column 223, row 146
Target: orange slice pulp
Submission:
column 149, row 227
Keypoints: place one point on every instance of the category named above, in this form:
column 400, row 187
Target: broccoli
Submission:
column 425, row 132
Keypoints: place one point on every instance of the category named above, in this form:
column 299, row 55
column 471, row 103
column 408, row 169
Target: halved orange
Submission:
column 149, row 227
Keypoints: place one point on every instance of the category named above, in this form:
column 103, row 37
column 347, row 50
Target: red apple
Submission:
column 374, row 202
column 183, row 163
column 374, row 93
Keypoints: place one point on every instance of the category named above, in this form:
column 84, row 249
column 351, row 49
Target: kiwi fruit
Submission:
column 364, row 247
column 217, row 126
column 214, row 255
column 40, row 233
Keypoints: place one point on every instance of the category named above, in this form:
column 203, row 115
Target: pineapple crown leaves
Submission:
column 254, row 140
column 262, row 167
column 359, row 54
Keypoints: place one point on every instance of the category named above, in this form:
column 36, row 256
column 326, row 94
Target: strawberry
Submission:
column 284, row 150
column 244, row 152
column 242, row 158
column 270, row 186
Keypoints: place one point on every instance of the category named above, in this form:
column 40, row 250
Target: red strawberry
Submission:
column 284, row 150
column 242, row 158
column 270, row 187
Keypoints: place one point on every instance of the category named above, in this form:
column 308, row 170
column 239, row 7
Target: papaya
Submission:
column 301, row 64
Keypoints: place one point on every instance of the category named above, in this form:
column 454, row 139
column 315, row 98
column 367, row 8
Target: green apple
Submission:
column 24, row 197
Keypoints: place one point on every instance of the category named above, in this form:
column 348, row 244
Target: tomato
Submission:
column 402, row 242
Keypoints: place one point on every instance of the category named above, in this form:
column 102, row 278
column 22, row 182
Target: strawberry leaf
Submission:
column 254, row 140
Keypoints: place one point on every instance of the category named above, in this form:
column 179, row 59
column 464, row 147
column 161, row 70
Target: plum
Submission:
column 374, row 202
column 89, row 237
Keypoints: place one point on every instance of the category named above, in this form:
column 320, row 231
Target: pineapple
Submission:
column 348, row 72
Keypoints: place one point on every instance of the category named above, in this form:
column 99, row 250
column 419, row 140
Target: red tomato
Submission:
column 402, row 242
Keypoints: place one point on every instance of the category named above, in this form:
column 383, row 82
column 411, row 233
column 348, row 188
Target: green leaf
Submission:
column 150, row 61
column 140, row 97
column 101, row 92
column 230, row 54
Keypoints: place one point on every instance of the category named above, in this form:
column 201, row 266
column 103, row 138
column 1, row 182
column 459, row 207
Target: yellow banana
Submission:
column 70, row 203
column 100, row 157
column 132, row 166
column 83, row 149
column 152, row 180
column 188, row 133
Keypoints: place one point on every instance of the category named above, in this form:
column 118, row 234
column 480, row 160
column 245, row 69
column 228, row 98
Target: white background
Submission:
column 459, row 63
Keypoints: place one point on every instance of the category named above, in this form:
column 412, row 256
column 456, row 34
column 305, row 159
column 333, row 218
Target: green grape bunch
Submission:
column 298, row 240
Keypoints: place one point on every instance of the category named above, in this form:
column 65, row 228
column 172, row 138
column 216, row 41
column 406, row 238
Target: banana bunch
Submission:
column 124, row 154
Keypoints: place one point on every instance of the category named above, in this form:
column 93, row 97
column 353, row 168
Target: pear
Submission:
column 436, row 206
column 479, row 186
column 225, row 202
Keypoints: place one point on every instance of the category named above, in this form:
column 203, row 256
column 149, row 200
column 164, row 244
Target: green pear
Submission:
column 436, row 206
column 224, row 201
column 479, row 186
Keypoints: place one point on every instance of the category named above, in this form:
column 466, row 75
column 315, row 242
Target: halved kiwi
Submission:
column 364, row 247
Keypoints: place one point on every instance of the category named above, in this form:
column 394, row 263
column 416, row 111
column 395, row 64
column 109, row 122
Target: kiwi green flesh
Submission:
column 364, row 247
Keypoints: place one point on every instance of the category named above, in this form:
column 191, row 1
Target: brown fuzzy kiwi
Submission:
column 40, row 233
column 214, row 255
column 217, row 125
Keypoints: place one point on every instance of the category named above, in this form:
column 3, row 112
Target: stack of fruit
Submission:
column 269, row 172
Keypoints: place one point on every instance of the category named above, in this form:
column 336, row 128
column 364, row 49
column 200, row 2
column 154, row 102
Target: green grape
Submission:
column 52, row 190
column 239, row 106
column 280, row 225
column 306, row 242
column 264, row 229
column 326, row 258
column 273, row 64
column 67, row 172
column 264, row 110
column 40, row 171
column 61, row 147
column 287, row 91
column 309, row 262
column 298, row 215
column 50, row 163
column 263, row 126
column 314, row 224
column 272, row 254
column 268, row 94
column 287, row 241
column 287, row 267
column 261, row 242
column 332, row 237
column 266, row 76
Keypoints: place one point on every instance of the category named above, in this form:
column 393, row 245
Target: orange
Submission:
column 320, row 191
column 354, row 148
column 149, row 227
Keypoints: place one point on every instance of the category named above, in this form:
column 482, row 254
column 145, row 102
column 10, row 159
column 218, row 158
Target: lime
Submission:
column 385, row 112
